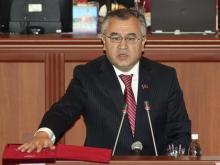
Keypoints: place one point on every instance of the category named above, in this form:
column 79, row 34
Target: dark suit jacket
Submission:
column 95, row 93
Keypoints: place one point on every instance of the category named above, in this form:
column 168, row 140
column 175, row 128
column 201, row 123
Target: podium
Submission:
column 79, row 155
column 151, row 160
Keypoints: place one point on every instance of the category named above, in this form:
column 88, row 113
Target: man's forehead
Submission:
column 124, row 26
column 120, row 26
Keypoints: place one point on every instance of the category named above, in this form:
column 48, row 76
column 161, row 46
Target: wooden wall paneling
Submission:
column 54, row 76
column 200, row 84
column 182, row 53
column 22, row 100
column 44, row 81
column 12, row 54
column 82, row 55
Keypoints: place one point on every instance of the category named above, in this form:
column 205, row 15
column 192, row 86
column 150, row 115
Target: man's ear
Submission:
column 143, row 43
column 103, row 41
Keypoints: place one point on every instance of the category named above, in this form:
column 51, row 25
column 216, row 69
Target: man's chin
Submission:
column 123, row 67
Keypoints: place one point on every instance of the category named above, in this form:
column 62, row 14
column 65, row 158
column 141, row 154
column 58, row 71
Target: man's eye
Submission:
column 115, row 38
column 131, row 38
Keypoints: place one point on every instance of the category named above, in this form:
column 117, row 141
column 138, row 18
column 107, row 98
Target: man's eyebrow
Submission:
column 114, row 33
column 131, row 34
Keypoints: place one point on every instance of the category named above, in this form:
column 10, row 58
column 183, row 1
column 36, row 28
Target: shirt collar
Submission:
column 134, row 70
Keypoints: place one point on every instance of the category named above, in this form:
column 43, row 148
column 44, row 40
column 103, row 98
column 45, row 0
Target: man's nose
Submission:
column 123, row 44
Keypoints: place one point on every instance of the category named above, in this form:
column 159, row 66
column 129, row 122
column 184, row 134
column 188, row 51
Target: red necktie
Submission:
column 130, row 100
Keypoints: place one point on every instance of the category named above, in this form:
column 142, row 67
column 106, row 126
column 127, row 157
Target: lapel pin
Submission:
column 144, row 86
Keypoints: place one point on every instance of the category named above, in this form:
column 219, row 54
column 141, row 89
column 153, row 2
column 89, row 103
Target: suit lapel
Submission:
column 111, row 84
column 144, row 86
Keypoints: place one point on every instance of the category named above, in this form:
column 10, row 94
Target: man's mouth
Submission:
column 122, row 55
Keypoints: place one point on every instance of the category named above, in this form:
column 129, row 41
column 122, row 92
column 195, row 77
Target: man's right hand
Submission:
column 40, row 140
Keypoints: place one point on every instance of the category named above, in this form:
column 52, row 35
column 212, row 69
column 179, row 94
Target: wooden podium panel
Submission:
column 149, row 160
column 36, row 70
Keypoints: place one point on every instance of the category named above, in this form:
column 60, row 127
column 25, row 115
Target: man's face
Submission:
column 123, row 54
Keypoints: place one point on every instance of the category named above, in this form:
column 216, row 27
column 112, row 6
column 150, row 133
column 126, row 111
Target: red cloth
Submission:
column 62, row 152
column 68, row 152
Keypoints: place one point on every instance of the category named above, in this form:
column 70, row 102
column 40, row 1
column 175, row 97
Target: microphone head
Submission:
column 137, row 147
column 146, row 105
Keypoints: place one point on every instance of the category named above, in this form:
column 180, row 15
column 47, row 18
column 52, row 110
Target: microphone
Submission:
column 124, row 111
column 136, row 148
column 147, row 108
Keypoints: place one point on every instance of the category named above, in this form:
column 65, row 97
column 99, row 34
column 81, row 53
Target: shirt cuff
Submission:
column 49, row 132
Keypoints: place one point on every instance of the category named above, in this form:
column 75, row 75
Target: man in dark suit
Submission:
column 96, row 92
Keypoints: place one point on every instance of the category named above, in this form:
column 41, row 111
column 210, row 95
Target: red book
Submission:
column 62, row 152
column 12, row 155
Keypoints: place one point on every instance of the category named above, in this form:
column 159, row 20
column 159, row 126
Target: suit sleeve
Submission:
column 62, row 115
column 178, row 124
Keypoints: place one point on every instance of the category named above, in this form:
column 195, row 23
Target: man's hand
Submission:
column 40, row 140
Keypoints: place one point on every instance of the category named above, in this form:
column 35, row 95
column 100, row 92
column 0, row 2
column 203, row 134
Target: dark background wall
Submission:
column 4, row 14
column 66, row 15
